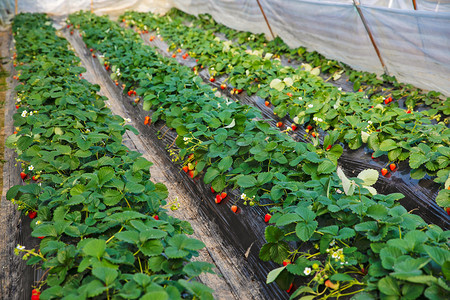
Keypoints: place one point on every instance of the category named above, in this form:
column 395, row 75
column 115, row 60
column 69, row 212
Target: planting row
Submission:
column 334, row 236
column 102, row 228
column 379, row 122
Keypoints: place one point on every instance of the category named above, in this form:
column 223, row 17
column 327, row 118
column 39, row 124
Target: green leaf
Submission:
column 417, row 159
column 211, row 173
column 45, row 230
column 274, row 274
column 95, row 248
column 151, row 234
column 111, row 197
column 388, row 145
column 326, row 167
column 141, row 164
column 377, row 211
column 264, row 178
column 287, row 219
column 131, row 237
column 305, row 230
column 152, row 247
column 225, row 163
column 439, row 255
column 273, row 234
column 105, row 174
column 389, row 286
column 443, row 198
column 341, row 277
column 195, row 268
column 107, row 275
column 246, row 181
column 181, row 241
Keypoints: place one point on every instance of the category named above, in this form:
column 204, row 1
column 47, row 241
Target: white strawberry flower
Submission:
column 38, row 222
column 19, row 247
column 300, row 98
column 31, row 113
column 127, row 120
column 335, row 255
column 24, row 114
column 31, row 168
column 307, row 271
column 340, row 89
column 18, row 99
column 243, row 196
column 310, row 105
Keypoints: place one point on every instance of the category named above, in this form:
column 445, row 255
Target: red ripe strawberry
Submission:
column 156, row 217
column 191, row 174
column 184, row 56
column 129, row 93
column 17, row 106
column 41, row 237
column 191, row 156
column 240, row 91
column 92, row 50
column 408, row 111
column 392, row 166
column 286, row 262
column 309, row 127
column 329, row 147
column 32, row 214
column 147, row 120
column 360, row 90
column 71, row 32
column 68, row 26
column 234, row 208
column 93, row 55
column 212, row 79
column 280, row 124
column 289, row 94
column 15, row 132
column 134, row 93
column 34, row 178
column 314, row 134
column 447, row 209
column 23, row 175
column 35, row 294
column 174, row 55
column 218, row 199
column 267, row 218
column 384, row 171
column 212, row 190
column 196, row 60
column 152, row 38
column 185, row 169
column 117, row 83
column 223, row 195
column 223, row 86
column 267, row 103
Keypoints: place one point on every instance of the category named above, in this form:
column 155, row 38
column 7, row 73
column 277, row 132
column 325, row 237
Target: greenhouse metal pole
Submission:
column 265, row 18
column 363, row 19
column 15, row 7
column 414, row 4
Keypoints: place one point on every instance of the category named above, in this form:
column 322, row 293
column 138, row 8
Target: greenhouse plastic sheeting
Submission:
column 112, row 7
column 414, row 44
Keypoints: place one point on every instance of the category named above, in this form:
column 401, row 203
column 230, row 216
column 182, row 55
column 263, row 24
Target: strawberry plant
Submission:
column 102, row 229
column 386, row 128
column 330, row 227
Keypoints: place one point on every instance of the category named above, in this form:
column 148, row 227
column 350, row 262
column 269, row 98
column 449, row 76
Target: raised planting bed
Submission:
column 103, row 230
column 330, row 233
column 393, row 131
